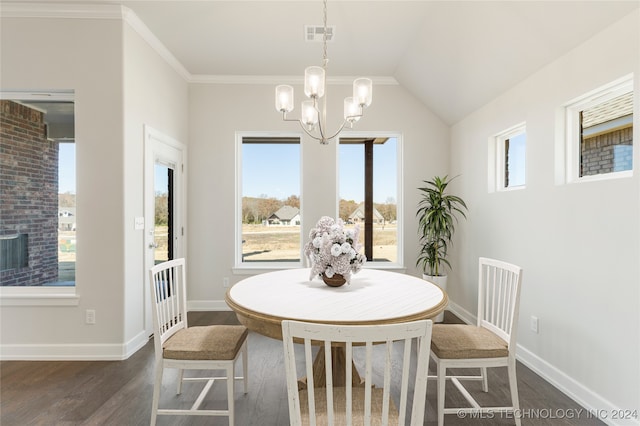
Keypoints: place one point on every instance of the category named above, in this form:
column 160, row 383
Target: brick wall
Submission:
column 607, row 153
column 29, row 192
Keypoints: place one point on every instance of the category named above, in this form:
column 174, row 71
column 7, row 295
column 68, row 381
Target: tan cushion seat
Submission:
column 339, row 406
column 211, row 342
column 462, row 341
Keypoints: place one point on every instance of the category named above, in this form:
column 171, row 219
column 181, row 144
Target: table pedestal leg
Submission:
column 338, row 363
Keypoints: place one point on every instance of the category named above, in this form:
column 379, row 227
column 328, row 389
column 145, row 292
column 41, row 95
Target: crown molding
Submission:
column 60, row 10
column 143, row 31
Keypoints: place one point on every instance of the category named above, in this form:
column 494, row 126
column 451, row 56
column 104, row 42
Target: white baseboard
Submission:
column 594, row 404
column 462, row 313
column 73, row 352
column 135, row 344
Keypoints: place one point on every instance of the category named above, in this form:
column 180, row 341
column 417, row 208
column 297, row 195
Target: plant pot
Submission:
column 440, row 281
column 336, row 281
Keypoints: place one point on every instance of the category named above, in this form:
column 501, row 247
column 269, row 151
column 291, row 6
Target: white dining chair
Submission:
column 361, row 404
column 490, row 343
column 213, row 347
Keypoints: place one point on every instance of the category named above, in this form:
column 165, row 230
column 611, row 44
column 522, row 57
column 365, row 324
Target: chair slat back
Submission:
column 499, row 297
column 168, row 299
column 375, row 338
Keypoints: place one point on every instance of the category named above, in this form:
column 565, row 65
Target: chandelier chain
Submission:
column 325, row 60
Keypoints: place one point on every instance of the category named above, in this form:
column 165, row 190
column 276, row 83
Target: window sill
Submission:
column 39, row 296
column 603, row 176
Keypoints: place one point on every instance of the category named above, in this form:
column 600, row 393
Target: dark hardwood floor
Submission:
column 119, row 392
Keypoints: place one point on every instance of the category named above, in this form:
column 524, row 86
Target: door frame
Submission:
column 161, row 148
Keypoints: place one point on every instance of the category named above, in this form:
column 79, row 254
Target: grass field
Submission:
column 268, row 243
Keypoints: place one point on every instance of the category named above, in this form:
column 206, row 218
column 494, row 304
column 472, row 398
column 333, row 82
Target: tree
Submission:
column 67, row 199
column 346, row 208
column 293, row 201
column 388, row 210
column 266, row 207
column 162, row 208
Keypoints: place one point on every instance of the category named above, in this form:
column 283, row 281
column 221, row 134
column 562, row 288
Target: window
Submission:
column 269, row 205
column 368, row 191
column 67, row 213
column 38, row 231
column 510, row 155
column 599, row 132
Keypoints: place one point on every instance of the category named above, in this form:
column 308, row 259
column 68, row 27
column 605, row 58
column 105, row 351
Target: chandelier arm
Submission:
column 350, row 117
column 344, row 123
column 322, row 119
column 284, row 117
column 311, row 135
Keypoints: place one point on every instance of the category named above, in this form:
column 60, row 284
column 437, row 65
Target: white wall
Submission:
column 218, row 111
column 120, row 84
column 157, row 96
column 578, row 243
column 76, row 54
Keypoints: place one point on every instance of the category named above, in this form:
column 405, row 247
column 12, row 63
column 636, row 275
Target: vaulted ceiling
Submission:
column 454, row 56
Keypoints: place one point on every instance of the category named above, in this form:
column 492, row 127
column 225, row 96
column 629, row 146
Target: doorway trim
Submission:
column 157, row 147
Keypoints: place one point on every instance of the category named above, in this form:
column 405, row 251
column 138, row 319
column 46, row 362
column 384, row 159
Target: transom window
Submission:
column 511, row 158
column 599, row 132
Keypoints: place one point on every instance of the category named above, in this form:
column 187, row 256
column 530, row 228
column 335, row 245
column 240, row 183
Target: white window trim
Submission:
column 496, row 168
column 39, row 295
column 251, row 268
column 399, row 264
column 570, row 131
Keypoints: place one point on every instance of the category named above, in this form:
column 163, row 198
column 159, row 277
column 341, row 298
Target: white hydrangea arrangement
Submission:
column 332, row 249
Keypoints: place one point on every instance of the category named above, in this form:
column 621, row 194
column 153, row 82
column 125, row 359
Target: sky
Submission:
column 517, row 146
column 67, row 168
column 274, row 171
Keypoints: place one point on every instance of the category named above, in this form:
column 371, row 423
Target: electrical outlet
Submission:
column 90, row 316
column 225, row 282
column 534, row 324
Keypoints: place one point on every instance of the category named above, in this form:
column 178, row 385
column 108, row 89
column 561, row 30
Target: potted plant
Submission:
column 437, row 216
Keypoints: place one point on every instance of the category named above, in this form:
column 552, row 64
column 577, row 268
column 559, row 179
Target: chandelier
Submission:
column 313, row 116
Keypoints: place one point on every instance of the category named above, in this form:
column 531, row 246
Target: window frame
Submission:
column 241, row 267
column 39, row 295
column 572, row 134
column 399, row 263
column 497, row 162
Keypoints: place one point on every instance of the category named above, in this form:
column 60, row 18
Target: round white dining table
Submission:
column 263, row 301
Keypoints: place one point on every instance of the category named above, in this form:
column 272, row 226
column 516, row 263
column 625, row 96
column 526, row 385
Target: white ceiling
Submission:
column 454, row 56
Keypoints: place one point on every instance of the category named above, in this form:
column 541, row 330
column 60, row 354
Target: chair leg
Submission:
column 180, row 379
column 513, row 385
column 245, row 368
column 156, row 393
column 442, row 380
column 230, row 392
column 485, row 381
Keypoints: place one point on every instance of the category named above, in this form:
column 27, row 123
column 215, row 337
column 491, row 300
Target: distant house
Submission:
column 358, row 215
column 286, row 215
column 67, row 218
